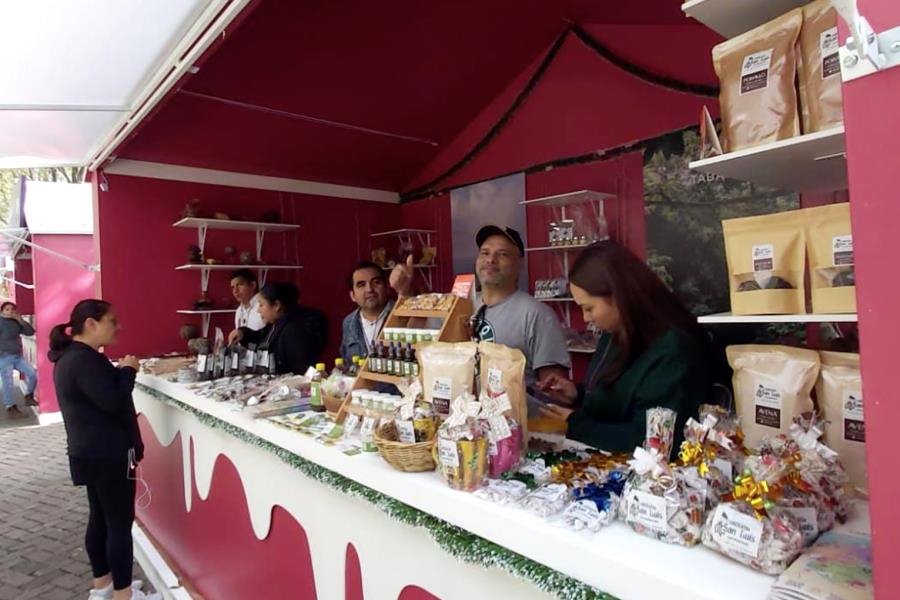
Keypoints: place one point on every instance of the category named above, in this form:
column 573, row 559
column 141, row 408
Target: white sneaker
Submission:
column 137, row 594
column 107, row 592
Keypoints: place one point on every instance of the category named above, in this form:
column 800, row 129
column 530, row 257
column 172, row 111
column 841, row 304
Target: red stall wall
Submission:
column 135, row 220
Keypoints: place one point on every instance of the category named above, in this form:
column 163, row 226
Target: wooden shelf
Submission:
column 812, row 162
column 821, row 318
column 557, row 248
column 392, row 379
column 200, row 267
column 570, row 198
column 428, row 314
column 729, row 18
column 212, row 311
column 402, row 232
column 196, row 223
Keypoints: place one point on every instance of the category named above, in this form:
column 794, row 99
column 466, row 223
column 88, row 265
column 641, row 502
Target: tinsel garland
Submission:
column 455, row 541
column 601, row 50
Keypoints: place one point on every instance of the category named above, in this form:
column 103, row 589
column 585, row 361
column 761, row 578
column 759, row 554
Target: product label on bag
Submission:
column 350, row 424
column 406, row 433
column 724, row 467
column 367, row 428
column 448, row 453
column 736, row 531
column 768, row 406
column 495, row 379
column 441, row 394
column 842, row 250
column 763, row 258
column 829, row 47
column 585, row 511
column 499, row 428
column 809, row 522
column 755, row 71
column 647, row 510
column 854, row 417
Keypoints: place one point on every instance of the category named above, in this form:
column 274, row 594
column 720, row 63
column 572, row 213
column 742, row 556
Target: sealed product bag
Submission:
column 819, row 68
column 448, row 372
column 839, row 391
column 502, row 371
column 766, row 258
column 756, row 71
column 772, row 385
column 829, row 243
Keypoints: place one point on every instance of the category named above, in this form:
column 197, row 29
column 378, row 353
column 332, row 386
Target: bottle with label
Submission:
column 219, row 364
column 248, row 367
column 375, row 358
column 389, row 359
column 408, row 365
column 202, row 360
column 339, row 368
column 316, row 402
column 413, row 364
column 262, row 360
column 396, row 360
column 235, row 360
column 353, row 370
column 210, row 367
column 273, row 366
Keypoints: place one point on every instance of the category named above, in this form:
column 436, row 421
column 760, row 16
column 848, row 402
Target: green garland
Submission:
column 454, row 540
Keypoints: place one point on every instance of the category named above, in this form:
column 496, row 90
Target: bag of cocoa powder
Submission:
column 757, row 71
column 819, row 68
column 839, row 391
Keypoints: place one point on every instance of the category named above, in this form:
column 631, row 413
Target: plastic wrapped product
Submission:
column 461, row 451
column 503, row 492
column 767, row 543
column 448, row 371
column 547, row 500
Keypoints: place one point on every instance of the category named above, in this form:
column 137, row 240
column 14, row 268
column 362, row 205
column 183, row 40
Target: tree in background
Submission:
column 9, row 181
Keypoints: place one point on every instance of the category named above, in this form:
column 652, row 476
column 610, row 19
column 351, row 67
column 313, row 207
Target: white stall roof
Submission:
column 71, row 70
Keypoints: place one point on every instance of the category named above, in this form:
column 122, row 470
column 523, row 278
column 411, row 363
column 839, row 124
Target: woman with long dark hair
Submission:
column 104, row 443
column 652, row 353
column 294, row 336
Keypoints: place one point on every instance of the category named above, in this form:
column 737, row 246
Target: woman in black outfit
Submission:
column 295, row 336
column 104, row 443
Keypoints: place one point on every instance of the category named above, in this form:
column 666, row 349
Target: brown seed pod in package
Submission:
column 503, row 370
column 756, row 71
column 839, row 391
column 829, row 243
column 766, row 258
column 772, row 385
column 819, row 68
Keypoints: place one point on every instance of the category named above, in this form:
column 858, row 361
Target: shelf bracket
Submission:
column 201, row 238
column 262, row 277
column 866, row 51
column 205, row 317
column 260, row 235
column 204, row 280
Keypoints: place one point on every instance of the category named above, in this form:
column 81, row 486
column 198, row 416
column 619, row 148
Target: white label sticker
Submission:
column 405, row 431
column 755, row 71
column 768, row 406
column 842, row 250
column 809, row 522
column 448, row 453
column 492, row 445
column 495, row 380
column 251, row 360
column 503, row 403
column 499, row 427
column 724, row 466
column 763, row 257
column 263, row 359
column 350, row 424
column 647, row 510
column 854, row 416
column 829, row 47
column 201, row 362
column 585, row 511
column 368, row 426
column 736, row 531
column 442, row 388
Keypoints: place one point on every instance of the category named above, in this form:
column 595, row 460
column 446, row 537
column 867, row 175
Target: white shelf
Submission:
column 555, row 299
column 196, row 223
column 402, row 232
column 211, row 311
column 580, row 351
column 812, row 162
column 820, row 318
column 557, row 248
column 570, row 198
column 201, row 267
column 730, row 18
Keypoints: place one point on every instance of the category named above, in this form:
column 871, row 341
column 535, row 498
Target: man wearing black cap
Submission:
column 508, row 315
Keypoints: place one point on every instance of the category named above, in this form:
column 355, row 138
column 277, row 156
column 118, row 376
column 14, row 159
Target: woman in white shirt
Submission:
column 244, row 288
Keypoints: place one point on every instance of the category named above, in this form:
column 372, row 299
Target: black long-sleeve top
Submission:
column 97, row 407
column 295, row 341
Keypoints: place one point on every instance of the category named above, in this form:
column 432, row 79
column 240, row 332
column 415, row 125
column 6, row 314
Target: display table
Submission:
column 245, row 508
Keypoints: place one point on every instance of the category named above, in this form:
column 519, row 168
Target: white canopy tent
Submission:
column 77, row 75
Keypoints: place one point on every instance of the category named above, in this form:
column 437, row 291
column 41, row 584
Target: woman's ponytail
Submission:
column 84, row 310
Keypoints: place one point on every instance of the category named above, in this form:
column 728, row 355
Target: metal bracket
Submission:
column 866, row 52
column 260, row 236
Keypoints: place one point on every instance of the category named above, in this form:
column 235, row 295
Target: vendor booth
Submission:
column 295, row 139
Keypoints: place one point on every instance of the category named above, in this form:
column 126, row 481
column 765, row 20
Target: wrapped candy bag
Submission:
column 502, row 491
column 750, row 527
column 547, row 500
column 595, row 504
column 415, row 418
column 504, row 434
column 660, row 430
column 461, row 452
column 704, row 459
column 657, row 501
column 533, row 472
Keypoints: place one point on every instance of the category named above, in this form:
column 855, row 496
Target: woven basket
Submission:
column 411, row 458
column 332, row 403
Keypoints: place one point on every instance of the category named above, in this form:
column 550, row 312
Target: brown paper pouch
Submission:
column 832, row 275
column 448, row 370
column 766, row 259
column 771, row 386
column 819, row 68
column 503, row 369
column 756, row 70
column 839, row 391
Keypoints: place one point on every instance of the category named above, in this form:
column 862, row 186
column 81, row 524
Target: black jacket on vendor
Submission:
column 295, row 341
column 97, row 408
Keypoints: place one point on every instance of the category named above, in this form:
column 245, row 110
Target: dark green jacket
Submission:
column 672, row 373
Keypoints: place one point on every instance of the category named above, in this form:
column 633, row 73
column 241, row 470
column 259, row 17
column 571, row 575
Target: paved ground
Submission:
column 42, row 516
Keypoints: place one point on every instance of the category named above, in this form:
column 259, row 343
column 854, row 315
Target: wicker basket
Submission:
column 412, row 458
column 332, row 403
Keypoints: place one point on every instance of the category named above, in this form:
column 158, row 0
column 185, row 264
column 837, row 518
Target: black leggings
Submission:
column 108, row 537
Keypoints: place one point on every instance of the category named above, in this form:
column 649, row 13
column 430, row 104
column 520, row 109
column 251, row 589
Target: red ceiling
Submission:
column 416, row 68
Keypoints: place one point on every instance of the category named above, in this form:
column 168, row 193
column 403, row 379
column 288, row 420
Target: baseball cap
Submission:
column 509, row 233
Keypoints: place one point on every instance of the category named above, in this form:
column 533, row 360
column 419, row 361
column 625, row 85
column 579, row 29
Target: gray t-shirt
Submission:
column 520, row 321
